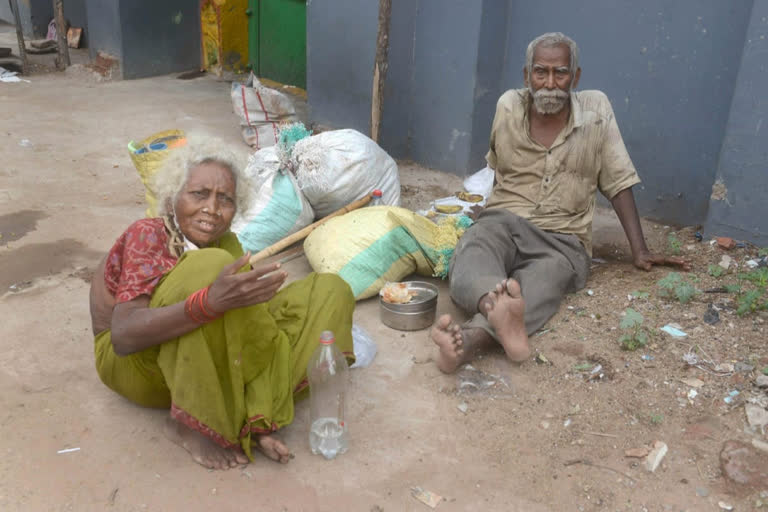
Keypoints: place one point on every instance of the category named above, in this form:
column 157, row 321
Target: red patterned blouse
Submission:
column 138, row 260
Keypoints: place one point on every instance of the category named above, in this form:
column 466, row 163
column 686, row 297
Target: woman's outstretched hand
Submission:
column 233, row 289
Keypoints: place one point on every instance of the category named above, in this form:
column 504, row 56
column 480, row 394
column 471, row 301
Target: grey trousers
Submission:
column 500, row 245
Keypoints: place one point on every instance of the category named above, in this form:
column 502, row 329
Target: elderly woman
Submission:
column 181, row 321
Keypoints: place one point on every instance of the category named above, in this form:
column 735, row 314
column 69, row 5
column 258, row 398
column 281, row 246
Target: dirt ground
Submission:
column 546, row 435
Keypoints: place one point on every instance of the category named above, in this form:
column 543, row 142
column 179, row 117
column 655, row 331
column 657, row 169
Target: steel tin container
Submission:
column 417, row 314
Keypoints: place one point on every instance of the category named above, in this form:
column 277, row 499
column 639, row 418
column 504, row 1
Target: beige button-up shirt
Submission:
column 555, row 188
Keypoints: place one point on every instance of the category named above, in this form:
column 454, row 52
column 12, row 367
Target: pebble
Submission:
column 657, row 454
column 762, row 381
column 725, row 506
column 702, row 491
column 743, row 464
column 725, row 261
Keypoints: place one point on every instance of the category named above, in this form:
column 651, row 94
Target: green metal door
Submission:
column 277, row 40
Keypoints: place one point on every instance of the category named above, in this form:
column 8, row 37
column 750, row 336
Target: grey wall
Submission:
column 148, row 38
column 159, row 37
column 341, row 44
column 104, row 30
column 445, row 53
column 740, row 209
column 669, row 69
column 35, row 16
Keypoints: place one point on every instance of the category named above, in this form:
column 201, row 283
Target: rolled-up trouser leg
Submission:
column 547, row 266
column 484, row 256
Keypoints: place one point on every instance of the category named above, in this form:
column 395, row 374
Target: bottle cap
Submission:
column 326, row 338
column 376, row 193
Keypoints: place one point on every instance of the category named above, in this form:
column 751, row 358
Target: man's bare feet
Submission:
column 505, row 311
column 449, row 340
column 204, row 451
column 456, row 345
column 273, row 448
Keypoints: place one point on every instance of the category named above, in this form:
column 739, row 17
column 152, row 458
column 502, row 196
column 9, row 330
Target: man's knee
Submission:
column 337, row 288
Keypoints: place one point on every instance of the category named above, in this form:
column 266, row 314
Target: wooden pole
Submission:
column 300, row 235
column 380, row 66
column 20, row 37
column 62, row 60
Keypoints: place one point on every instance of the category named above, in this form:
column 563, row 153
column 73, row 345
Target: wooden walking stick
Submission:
column 380, row 67
column 302, row 234
column 62, row 59
column 20, row 36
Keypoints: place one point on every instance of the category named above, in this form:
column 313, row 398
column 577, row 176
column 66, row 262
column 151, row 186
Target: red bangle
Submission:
column 188, row 307
column 208, row 311
column 198, row 309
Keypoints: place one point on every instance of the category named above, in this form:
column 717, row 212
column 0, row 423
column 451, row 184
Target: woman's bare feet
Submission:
column 505, row 311
column 273, row 448
column 204, row 451
column 449, row 340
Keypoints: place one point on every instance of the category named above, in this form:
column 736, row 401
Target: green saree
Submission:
column 240, row 374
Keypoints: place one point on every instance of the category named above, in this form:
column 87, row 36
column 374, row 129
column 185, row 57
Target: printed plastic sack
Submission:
column 260, row 110
column 367, row 248
column 338, row 167
column 277, row 207
column 148, row 155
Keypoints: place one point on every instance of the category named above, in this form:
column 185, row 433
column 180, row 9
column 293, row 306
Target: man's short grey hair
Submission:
column 170, row 179
column 550, row 40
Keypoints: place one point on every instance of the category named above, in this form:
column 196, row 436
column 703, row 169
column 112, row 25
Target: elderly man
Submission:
column 551, row 149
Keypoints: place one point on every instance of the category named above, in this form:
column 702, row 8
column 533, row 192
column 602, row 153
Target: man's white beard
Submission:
column 549, row 102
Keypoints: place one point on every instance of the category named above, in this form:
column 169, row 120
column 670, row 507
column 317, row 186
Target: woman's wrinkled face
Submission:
column 206, row 203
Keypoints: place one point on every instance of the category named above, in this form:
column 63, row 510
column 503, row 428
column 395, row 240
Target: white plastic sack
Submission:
column 481, row 182
column 277, row 207
column 337, row 167
column 260, row 110
column 364, row 347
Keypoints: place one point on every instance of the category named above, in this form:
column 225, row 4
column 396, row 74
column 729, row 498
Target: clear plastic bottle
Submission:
column 328, row 376
column 376, row 199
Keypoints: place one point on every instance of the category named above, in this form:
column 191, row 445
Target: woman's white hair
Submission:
column 170, row 179
column 550, row 40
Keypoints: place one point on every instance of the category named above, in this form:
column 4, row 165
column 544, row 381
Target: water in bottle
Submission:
column 328, row 376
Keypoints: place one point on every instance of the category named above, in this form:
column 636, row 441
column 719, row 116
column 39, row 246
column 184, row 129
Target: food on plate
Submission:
column 470, row 198
column 448, row 208
column 397, row 293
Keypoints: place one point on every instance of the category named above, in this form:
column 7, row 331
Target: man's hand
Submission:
column 645, row 260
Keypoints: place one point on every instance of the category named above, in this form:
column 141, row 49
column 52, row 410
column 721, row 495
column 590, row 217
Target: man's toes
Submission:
column 513, row 289
column 444, row 321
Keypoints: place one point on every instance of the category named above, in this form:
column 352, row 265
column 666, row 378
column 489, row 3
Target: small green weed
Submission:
column 763, row 252
column 674, row 244
column 750, row 302
column 639, row 294
column 765, row 370
column 715, row 270
column 583, row 367
column 733, row 288
column 677, row 286
column 635, row 335
column 751, row 289
column 657, row 419
column 758, row 277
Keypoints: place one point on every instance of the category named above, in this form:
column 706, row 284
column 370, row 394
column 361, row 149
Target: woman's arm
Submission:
column 136, row 326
